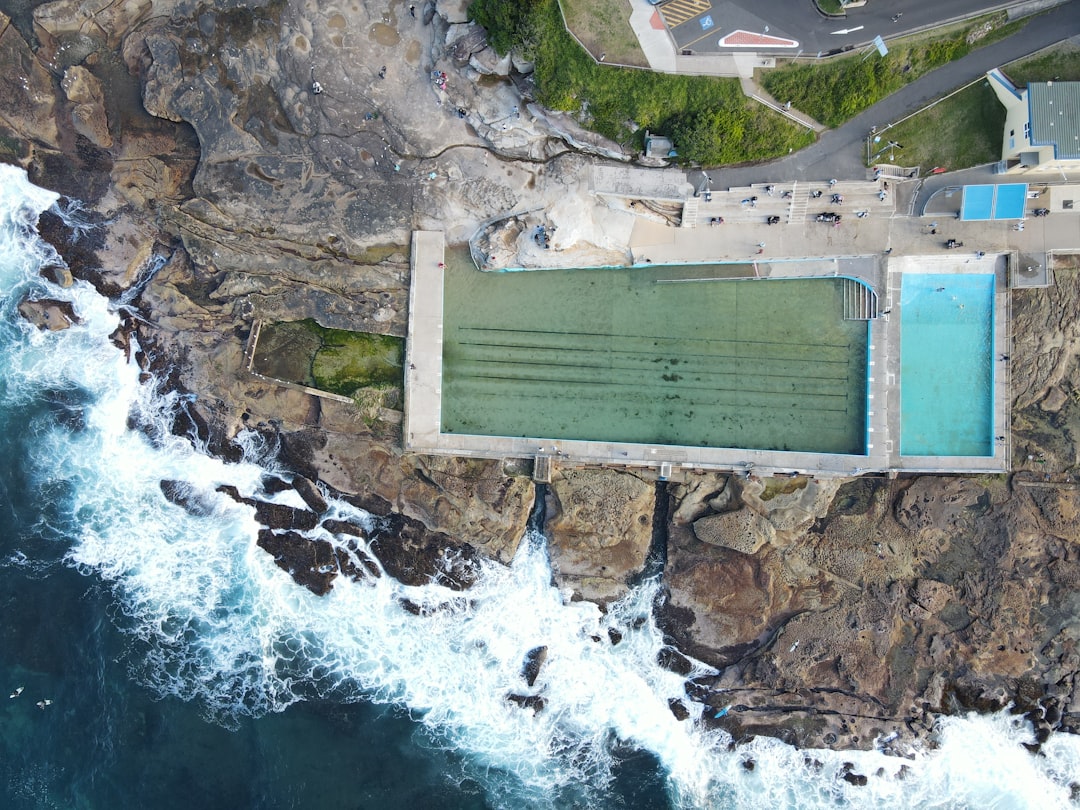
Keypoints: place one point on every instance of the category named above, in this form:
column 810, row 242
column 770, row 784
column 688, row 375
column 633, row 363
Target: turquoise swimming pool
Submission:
column 947, row 365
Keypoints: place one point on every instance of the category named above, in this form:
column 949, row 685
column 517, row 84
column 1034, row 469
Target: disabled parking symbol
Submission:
column 706, row 22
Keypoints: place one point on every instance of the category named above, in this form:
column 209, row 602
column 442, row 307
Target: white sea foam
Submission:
column 217, row 622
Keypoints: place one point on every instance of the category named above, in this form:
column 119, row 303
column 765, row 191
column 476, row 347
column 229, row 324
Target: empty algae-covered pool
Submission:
column 650, row 355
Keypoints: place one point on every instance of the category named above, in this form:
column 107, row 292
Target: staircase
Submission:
column 799, row 204
column 689, row 213
column 860, row 302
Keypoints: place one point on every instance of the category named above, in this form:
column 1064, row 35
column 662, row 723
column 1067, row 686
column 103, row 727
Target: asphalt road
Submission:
column 841, row 152
column 817, row 33
column 699, row 24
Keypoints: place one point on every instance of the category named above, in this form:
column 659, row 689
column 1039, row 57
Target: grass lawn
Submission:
column 1061, row 63
column 830, row 6
column 966, row 129
column 841, row 88
column 962, row 131
column 603, row 26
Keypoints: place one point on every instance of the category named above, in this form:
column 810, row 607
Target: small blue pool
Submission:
column 1004, row 201
column 1010, row 201
column 977, row 203
column 947, row 365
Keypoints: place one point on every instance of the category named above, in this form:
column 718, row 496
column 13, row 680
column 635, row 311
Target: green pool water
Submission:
column 625, row 355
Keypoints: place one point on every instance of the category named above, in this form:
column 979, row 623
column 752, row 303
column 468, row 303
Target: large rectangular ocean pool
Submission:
column 652, row 355
column 947, row 364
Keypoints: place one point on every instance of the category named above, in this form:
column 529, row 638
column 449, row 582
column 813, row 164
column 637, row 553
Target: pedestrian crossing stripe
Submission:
column 676, row 12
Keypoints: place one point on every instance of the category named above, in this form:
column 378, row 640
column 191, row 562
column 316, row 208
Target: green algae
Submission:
column 339, row 361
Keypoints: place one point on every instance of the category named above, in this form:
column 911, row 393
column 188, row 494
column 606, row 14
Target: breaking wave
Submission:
column 212, row 620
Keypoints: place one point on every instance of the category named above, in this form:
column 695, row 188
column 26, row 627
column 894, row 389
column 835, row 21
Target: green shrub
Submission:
column 719, row 124
column 507, row 22
column 837, row 90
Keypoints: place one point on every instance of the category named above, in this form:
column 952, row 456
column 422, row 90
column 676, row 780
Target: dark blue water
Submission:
column 183, row 669
column 162, row 699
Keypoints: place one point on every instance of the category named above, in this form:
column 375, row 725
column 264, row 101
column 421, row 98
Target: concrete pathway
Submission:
column 423, row 348
column 751, row 89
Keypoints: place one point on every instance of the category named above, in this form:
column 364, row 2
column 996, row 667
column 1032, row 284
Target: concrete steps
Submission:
column 689, row 213
column 860, row 302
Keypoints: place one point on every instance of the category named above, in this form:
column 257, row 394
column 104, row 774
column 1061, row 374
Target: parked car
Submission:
column 828, row 216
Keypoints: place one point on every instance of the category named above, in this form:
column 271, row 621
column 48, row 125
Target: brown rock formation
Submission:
column 599, row 528
column 903, row 600
column 237, row 193
column 46, row 313
column 88, row 114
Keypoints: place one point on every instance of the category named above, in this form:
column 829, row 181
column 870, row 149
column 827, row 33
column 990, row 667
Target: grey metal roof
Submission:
column 1054, row 112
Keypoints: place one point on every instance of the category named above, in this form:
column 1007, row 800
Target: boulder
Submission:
column 534, row 659
column 412, row 554
column 700, row 493
column 343, row 527
column 534, row 702
column 307, row 490
column 678, row 709
column 279, row 516
column 57, row 274
column 489, row 63
column 521, row 64
column 48, row 314
column 83, row 90
column 186, row 496
column 464, row 40
column 743, row 530
column 1054, row 400
column 275, row 516
column 311, row 563
column 599, row 528
column 453, row 11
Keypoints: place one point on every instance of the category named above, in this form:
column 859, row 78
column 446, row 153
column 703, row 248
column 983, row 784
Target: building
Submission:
column 1042, row 125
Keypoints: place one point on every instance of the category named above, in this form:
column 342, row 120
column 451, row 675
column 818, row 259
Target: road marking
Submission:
column 677, row 12
column 848, row 30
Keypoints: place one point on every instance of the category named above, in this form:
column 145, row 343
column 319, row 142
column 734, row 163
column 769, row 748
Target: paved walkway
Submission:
column 751, row 89
column 423, row 347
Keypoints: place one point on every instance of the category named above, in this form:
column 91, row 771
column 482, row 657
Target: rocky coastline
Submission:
column 217, row 189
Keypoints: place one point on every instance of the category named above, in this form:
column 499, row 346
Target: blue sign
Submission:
column 706, row 22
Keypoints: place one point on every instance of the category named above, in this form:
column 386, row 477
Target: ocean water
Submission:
column 184, row 669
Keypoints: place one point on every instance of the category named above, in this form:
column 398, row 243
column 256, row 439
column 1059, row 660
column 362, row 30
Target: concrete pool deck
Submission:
column 423, row 375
